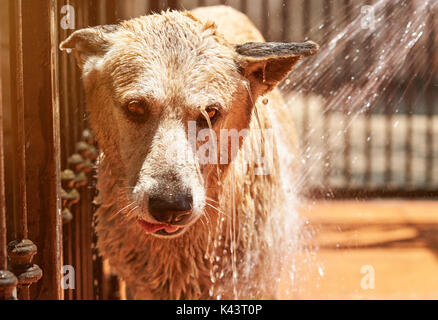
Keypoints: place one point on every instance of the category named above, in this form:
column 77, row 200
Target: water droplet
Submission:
column 212, row 278
column 321, row 271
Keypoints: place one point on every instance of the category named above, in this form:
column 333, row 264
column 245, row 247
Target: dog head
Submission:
column 158, row 88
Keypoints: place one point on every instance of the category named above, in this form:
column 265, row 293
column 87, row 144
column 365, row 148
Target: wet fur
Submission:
column 248, row 207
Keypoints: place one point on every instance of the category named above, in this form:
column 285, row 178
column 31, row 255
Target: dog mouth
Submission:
column 160, row 228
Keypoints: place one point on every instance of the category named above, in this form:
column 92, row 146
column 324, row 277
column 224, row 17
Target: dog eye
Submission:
column 136, row 109
column 211, row 112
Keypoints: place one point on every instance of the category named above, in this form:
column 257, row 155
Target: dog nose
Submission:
column 171, row 209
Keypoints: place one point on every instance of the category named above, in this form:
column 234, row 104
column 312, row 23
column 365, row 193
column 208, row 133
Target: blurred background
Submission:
column 365, row 110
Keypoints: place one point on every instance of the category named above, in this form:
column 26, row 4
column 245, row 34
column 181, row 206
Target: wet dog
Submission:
column 187, row 118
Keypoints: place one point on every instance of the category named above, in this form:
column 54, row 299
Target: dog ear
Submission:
column 265, row 64
column 89, row 42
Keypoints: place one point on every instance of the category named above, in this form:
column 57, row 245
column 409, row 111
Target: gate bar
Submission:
column 21, row 250
column 285, row 20
column 347, row 105
column 410, row 100
column 173, row 4
column 265, row 21
column 244, row 6
column 82, row 205
column 328, row 22
column 3, row 240
column 8, row 281
column 369, row 60
column 17, row 100
column 42, row 116
column 154, row 6
column 66, row 138
column 430, row 97
column 388, row 116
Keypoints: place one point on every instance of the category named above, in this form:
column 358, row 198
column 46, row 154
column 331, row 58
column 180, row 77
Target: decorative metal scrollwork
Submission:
column 75, row 177
column 20, row 254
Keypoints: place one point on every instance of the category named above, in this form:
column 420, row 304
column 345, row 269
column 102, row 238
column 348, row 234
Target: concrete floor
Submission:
column 368, row 250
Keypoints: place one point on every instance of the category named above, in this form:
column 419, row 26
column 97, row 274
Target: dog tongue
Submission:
column 154, row 227
column 170, row 229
